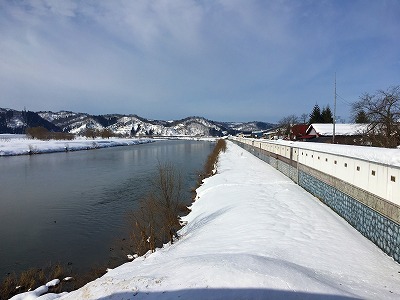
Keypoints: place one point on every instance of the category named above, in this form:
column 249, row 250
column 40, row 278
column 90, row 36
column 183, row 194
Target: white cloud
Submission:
column 191, row 53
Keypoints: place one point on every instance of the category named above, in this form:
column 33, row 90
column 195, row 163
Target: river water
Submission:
column 71, row 207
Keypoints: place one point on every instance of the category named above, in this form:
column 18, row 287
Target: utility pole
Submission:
column 334, row 115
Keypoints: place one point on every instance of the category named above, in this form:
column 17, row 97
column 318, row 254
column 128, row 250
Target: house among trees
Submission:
column 376, row 117
column 349, row 134
column 273, row 134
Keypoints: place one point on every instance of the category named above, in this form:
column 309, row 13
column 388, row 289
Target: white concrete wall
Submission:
column 378, row 179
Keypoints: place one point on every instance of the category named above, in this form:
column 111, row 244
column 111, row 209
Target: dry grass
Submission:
column 212, row 160
column 32, row 279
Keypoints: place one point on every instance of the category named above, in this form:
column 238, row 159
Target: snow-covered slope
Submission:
column 254, row 234
column 248, row 126
column 15, row 122
column 75, row 123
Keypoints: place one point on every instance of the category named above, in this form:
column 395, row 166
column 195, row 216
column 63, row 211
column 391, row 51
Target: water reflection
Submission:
column 68, row 207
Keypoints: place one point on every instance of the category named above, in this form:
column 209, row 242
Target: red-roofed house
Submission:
column 297, row 131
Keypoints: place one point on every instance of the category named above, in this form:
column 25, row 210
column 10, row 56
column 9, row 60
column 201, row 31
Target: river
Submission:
column 71, row 207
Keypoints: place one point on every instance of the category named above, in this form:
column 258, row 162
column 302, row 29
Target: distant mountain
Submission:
column 13, row 121
column 246, row 126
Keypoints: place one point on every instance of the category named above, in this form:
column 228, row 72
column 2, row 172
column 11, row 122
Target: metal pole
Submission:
column 334, row 115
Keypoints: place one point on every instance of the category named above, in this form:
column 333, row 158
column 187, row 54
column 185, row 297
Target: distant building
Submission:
column 344, row 133
column 297, row 131
column 257, row 134
column 273, row 134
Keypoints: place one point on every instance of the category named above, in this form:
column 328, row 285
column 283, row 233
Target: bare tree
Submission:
column 91, row 133
column 304, row 118
column 39, row 133
column 382, row 109
column 106, row 133
column 286, row 123
column 156, row 221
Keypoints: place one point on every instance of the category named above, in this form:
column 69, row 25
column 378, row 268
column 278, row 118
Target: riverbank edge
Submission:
column 33, row 147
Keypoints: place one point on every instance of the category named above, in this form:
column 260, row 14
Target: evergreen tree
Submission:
column 361, row 117
column 326, row 115
column 315, row 116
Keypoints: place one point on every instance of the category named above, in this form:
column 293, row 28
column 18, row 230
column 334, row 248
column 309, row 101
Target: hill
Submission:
column 13, row 121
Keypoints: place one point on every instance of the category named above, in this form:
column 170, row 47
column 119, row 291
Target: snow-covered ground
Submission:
column 254, row 234
column 19, row 144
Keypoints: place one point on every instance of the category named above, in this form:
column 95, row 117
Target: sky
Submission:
column 225, row 60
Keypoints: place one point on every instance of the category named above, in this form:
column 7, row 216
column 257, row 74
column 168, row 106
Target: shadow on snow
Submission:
column 202, row 294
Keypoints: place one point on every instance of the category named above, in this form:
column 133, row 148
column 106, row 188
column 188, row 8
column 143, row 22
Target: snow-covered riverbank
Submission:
column 21, row 145
column 254, row 234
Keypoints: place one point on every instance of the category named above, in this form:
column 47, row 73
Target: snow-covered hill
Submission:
column 12, row 121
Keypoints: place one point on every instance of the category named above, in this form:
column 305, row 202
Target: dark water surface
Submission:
column 71, row 207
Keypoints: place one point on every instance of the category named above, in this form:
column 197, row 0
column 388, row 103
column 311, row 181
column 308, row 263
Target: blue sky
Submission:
column 226, row 60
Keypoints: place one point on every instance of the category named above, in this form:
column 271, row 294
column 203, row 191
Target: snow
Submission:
column 340, row 129
column 20, row 144
column 53, row 282
column 254, row 234
column 40, row 293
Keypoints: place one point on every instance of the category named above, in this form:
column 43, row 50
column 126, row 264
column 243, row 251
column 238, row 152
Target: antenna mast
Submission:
column 334, row 115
